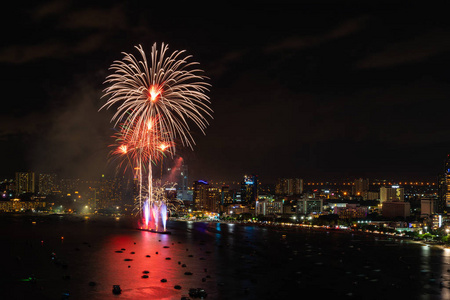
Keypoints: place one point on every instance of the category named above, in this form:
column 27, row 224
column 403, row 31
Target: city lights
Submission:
column 292, row 149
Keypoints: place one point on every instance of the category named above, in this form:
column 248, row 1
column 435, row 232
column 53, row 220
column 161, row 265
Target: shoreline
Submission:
column 309, row 227
column 126, row 222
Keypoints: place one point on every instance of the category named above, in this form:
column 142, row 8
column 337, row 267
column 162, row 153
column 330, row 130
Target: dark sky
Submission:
column 317, row 90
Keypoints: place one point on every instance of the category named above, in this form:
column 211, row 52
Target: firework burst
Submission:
column 156, row 100
column 167, row 89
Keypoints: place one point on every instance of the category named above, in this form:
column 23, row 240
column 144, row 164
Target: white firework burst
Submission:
column 166, row 89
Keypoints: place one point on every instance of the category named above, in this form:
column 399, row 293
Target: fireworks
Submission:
column 166, row 90
column 156, row 103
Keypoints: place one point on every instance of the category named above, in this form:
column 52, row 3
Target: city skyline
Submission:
column 186, row 183
column 172, row 174
column 320, row 91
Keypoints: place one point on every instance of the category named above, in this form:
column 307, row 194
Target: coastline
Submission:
column 290, row 227
column 127, row 222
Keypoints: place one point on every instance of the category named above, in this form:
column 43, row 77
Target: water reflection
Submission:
column 162, row 256
column 230, row 227
column 228, row 261
column 445, row 274
column 189, row 225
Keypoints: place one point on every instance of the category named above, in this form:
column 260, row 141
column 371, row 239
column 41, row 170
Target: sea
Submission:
column 80, row 257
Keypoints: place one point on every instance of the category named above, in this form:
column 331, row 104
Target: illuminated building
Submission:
column 447, row 181
column 360, row 187
column 227, row 195
column 442, row 193
column 395, row 193
column 436, row 221
column 297, row 186
column 47, row 184
column 350, row 211
column 308, row 206
column 200, row 194
column 444, row 187
column 249, row 189
column 25, row 182
column 234, row 210
column 393, row 204
column 15, row 205
column 213, row 199
column 268, row 207
column 281, row 187
column 369, row 195
column 289, row 186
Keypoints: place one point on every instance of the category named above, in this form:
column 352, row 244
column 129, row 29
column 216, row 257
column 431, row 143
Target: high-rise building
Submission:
column 200, row 194
column 249, row 189
column 393, row 194
column 297, row 186
column 213, row 201
column 280, row 186
column 444, row 187
column 441, row 204
column 393, row 204
column 183, row 182
column 227, row 195
column 447, row 180
column 360, row 187
column 47, row 183
column 25, row 182
column 289, row 186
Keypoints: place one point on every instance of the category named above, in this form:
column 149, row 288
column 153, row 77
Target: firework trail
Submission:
column 155, row 102
column 136, row 151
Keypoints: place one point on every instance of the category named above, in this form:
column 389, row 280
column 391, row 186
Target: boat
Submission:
column 116, row 289
column 197, row 293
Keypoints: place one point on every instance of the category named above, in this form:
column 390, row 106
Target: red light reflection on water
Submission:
column 126, row 267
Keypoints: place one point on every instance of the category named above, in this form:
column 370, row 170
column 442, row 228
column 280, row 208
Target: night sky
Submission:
column 314, row 90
